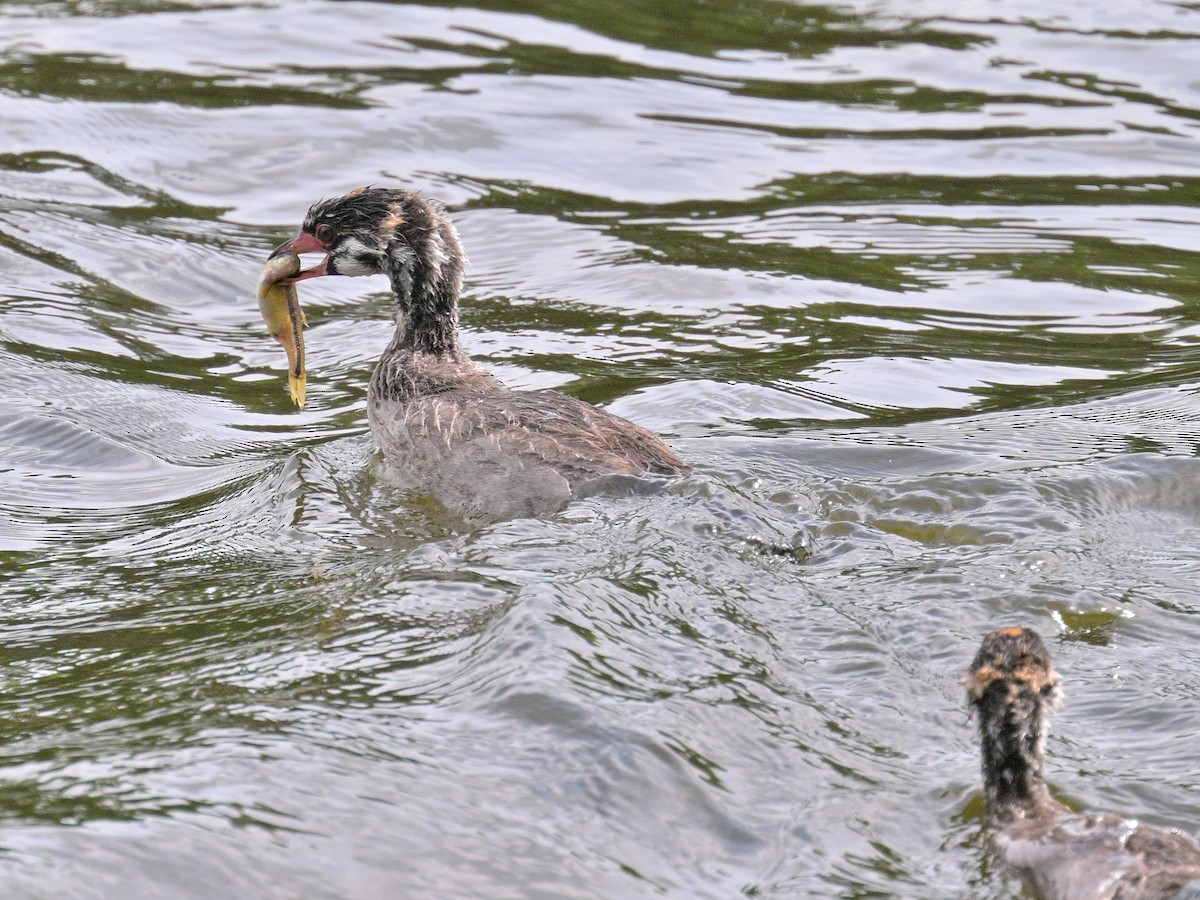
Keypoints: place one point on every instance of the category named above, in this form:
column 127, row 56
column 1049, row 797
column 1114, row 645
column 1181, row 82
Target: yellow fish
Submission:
column 280, row 308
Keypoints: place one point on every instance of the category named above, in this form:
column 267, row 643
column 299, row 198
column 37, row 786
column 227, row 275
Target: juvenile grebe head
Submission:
column 1012, row 687
column 397, row 233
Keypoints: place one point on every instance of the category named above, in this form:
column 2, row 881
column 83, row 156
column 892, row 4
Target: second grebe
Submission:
column 1012, row 687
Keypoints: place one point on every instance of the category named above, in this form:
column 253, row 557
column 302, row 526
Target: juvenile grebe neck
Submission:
column 1013, row 688
column 426, row 277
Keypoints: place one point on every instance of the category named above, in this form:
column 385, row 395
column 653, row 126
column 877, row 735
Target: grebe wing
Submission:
column 538, row 428
column 1098, row 857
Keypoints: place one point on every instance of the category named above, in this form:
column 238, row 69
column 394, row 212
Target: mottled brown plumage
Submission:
column 1012, row 687
column 449, row 428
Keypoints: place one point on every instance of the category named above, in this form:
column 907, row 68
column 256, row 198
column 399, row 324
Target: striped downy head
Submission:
column 1012, row 687
column 397, row 233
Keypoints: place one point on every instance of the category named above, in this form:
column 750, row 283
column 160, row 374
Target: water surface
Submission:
column 913, row 285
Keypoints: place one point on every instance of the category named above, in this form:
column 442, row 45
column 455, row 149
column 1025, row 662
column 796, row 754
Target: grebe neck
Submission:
column 1013, row 731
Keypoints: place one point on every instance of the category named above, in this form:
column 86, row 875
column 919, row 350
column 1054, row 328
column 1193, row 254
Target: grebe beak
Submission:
column 303, row 243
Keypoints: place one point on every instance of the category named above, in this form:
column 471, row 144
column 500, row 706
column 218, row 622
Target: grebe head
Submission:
column 1011, row 661
column 1012, row 687
column 372, row 231
column 397, row 233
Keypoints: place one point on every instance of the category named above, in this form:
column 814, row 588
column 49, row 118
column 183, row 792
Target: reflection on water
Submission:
column 911, row 285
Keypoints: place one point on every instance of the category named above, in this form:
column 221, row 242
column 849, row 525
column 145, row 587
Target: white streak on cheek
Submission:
column 349, row 258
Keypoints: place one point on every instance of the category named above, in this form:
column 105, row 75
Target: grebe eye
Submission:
column 324, row 233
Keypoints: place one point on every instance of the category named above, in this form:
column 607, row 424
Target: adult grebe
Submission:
column 447, row 426
column 1012, row 687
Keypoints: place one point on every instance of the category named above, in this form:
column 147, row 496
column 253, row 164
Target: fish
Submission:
column 280, row 308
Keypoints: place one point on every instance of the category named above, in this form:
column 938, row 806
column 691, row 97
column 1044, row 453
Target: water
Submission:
column 913, row 285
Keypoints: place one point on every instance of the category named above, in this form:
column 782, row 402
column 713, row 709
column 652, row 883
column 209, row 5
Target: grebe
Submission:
column 448, row 427
column 1012, row 687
